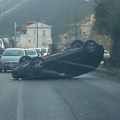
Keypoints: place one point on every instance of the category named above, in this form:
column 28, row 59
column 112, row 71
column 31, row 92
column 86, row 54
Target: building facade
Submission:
column 81, row 30
column 33, row 35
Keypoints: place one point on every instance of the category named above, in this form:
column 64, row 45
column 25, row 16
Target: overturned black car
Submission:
column 81, row 58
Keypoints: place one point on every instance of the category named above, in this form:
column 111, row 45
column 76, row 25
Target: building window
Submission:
column 34, row 40
column 44, row 39
column 34, row 32
column 43, row 32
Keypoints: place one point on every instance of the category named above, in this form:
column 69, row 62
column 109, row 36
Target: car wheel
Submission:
column 90, row 46
column 37, row 62
column 24, row 59
column 77, row 44
column 0, row 70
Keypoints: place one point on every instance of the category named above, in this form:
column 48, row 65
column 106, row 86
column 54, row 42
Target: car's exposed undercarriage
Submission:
column 81, row 58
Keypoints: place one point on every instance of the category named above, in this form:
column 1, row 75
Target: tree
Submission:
column 107, row 15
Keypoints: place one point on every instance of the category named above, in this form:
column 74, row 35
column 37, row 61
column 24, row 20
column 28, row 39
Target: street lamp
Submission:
column 76, row 31
column 37, row 23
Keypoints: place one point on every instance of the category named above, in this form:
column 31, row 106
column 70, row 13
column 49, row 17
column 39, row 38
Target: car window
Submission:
column 38, row 51
column 13, row 53
column 30, row 52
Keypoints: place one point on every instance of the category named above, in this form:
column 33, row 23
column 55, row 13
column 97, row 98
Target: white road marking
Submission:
column 20, row 102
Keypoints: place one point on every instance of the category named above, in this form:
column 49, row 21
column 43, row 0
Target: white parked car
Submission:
column 45, row 51
column 38, row 50
column 106, row 57
column 106, row 54
column 31, row 52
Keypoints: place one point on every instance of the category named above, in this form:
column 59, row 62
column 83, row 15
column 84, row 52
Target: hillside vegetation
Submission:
column 107, row 14
column 58, row 13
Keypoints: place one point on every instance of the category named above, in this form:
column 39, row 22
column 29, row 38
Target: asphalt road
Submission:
column 93, row 96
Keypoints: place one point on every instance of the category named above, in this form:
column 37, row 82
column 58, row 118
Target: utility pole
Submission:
column 37, row 23
column 75, row 22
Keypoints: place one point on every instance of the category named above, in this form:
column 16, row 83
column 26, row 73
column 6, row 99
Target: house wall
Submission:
column 29, row 39
column 85, row 30
column 33, row 32
column 22, row 41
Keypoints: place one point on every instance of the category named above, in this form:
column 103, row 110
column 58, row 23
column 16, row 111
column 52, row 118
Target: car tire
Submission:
column 77, row 44
column 37, row 62
column 24, row 59
column 90, row 46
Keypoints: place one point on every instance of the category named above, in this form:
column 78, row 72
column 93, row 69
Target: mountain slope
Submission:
column 58, row 13
column 6, row 5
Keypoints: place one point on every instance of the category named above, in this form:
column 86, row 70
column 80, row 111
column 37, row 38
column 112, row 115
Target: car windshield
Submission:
column 30, row 52
column 43, row 50
column 13, row 53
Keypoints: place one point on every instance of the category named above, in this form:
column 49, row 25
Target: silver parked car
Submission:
column 10, row 58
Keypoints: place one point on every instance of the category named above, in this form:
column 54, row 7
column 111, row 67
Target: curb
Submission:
column 103, row 69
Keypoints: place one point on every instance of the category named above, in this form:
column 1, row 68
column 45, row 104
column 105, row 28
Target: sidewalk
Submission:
column 110, row 70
